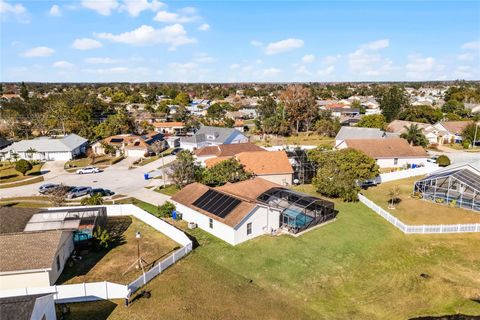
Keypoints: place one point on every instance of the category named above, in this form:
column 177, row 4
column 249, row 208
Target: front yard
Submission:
column 9, row 174
column 416, row 211
column 357, row 267
column 101, row 162
column 110, row 265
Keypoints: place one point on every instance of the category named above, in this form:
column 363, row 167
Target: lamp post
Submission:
column 138, row 236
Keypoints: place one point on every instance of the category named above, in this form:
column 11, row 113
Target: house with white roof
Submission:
column 212, row 136
column 48, row 148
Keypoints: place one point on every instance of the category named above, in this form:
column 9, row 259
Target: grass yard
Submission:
column 110, row 265
column 302, row 139
column 416, row 211
column 9, row 174
column 102, row 161
column 169, row 190
column 357, row 267
column 21, row 183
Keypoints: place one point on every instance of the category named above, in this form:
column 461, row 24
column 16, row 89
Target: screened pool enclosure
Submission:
column 460, row 188
column 299, row 211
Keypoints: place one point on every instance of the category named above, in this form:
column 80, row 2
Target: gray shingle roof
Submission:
column 363, row 133
column 45, row 144
column 214, row 134
column 18, row 308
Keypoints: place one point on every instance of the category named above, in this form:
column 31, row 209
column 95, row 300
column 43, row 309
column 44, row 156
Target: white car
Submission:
column 88, row 170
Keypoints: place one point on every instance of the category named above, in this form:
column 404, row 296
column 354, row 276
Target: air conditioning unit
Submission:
column 192, row 225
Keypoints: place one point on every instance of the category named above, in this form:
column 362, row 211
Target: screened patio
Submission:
column 459, row 188
column 299, row 211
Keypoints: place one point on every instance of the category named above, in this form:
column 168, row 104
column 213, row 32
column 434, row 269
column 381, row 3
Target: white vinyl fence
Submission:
column 421, row 229
column 108, row 290
column 402, row 174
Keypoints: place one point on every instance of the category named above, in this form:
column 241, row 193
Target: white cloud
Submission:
column 256, row 43
column 472, row 45
column 330, row 60
column 185, row 15
column 55, row 11
column 86, row 44
column 271, row 72
column 308, row 58
column 204, row 58
column 103, row 7
column 419, row 67
column 463, row 72
column 183, row 66
column 38, row 52
column 283, row 46
column 327, row 71
column 135, row 7
column 174, row 35
column 95, row 60
column 303, row 70
column 114, row 70
column 63, row 64
column 468, row 56
column 204, row 27
column 17, row 10
column 366, row 61
column 234, row 66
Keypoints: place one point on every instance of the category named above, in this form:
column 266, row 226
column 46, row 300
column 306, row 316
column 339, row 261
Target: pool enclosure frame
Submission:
column 459, row 188
column 310, row 210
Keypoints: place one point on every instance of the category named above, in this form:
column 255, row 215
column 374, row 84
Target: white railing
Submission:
column 421, row 229
column 402, row 174
column 107, row 290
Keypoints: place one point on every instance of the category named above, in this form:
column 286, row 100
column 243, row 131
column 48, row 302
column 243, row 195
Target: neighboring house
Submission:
column 212, row 136
column 225, row 150
column 173, row 128
column 4, row 142
column 456, row 185
column 361, row 133
column 241, row 211
column 35, row 244
column 388, row 153
column 46, row 148
column 239, row 125
column 129, row 145
column 432, row 134
column 452, row 130
column 345, row 112
column 31, row 307
column 273, row 166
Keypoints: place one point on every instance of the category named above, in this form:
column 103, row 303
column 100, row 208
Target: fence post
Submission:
column 56, row 292
column 160, row 267
column 106, row 290
column 144, row 279
column 26, row 291
column 173, row 255
column 84, row 289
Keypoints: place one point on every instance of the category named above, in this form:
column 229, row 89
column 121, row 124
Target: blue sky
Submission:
column 229, row 41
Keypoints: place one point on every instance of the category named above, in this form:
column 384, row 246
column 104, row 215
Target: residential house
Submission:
column 453, row 130
column 388, row 153
column 237, row 212
column 212, row 136
column 225, row 150
column 30, row 307
column 361, row 133
column 432, row 134
column 48, row 148
column 129, row 145
column 345, row 112
column 273, row 166
column 172, row 128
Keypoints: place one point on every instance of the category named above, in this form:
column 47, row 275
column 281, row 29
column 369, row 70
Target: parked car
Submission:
column 102, row 192
column 88, row 170
column 78, row 192
column 364, row 184
column 432, row 159
column 176, row 150
column 47, row 188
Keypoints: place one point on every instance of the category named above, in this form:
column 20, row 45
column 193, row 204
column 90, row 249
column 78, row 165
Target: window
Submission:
column 395, row 161
column 58, row 263
column 249, row 228
column 210, row 223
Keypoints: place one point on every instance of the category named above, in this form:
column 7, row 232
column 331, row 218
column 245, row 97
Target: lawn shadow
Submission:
column 95, row 310
column 9, row 176
column 90, row 256
column 457, row 316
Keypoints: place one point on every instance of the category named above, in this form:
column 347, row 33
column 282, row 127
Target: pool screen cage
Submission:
column 299, row 211
column 460, row 188
column 303, row 169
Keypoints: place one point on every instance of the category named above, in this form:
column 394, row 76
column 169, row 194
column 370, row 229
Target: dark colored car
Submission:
column 102, row 192
column 367, row 183
column 176, row 150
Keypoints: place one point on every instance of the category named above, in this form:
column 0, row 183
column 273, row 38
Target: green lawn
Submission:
column 102, row 161
column 357, row 267
column 9, row 174
column 302, row 139
column 169, row 190
column 416, row 211
column 21, row 183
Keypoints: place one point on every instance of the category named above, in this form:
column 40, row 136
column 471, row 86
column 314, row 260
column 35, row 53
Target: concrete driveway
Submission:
column 116, row 178
column 458, row 156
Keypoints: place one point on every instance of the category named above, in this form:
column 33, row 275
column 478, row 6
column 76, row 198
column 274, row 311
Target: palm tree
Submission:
column 414, row 135
column 30, row 153
column 15, row 156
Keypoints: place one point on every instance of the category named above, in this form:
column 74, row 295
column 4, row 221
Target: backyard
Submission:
column 415, row 211
column 300, row 139
column 357, row 267
column 112, row 265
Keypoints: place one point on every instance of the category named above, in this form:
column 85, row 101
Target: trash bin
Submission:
column 174, row 215
column 145, row 176
column 179, row 216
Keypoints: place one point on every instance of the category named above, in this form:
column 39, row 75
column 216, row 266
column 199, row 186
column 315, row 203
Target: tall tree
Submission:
column 24, row 91
column 414, row 135
column 373, row 121
column 300, row 106
column 225, row 171
column 423, row 113
column 392, row 102
column 182, row 170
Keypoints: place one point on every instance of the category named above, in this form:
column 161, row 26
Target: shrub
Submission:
column 466, row 144
column 102, row 237
column 453, row 203
column 443, row 161
column 165, row 210
column 23, row 166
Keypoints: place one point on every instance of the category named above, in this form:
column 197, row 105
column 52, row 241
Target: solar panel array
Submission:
column 216, row 203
